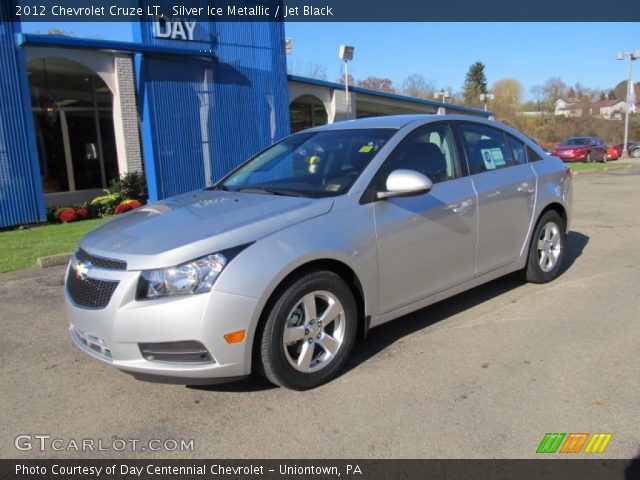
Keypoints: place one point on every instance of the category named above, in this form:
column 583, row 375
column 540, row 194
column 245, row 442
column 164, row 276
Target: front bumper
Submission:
column 113, row 334
column 572, row 157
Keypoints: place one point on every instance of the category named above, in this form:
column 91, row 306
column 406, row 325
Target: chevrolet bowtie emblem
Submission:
column 82, row 269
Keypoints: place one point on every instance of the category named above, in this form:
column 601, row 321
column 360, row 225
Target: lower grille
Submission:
column 89, row 292
column 176, row 352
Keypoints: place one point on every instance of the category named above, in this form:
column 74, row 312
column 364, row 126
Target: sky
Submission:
column 443, row 52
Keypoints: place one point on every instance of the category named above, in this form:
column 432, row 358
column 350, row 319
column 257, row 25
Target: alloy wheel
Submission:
column 549, row 246
column 314, row 331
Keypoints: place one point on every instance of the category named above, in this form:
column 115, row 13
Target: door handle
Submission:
column 462, row 207
column 525, row 187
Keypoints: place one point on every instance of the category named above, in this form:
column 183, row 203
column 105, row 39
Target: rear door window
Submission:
column 532, row 155
column 487, row 148
column 519, row 154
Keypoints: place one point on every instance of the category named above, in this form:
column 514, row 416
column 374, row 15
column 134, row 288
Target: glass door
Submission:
column 85, row 149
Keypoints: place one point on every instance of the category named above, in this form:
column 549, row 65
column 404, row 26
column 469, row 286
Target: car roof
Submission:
column 396, row 121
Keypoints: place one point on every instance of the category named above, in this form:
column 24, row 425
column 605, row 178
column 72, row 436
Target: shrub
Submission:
column 132, row 185
column 67, row 215
column 52, row 216
column 104, row 205
column 127, row 205
column 82, row 212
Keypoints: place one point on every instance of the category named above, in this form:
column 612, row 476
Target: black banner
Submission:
column 322, row 10
column 293, row 469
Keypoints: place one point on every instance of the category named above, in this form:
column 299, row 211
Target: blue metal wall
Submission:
column 21, row 195
column 202, row 117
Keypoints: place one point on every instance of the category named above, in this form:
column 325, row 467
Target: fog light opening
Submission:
column 176, row 352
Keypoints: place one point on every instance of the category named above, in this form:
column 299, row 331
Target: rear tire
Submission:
column 547, row 249
column 309, row 331
column 635, row 153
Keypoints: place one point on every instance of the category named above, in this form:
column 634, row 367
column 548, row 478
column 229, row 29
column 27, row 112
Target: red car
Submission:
column 615, row 151
column 582, row 149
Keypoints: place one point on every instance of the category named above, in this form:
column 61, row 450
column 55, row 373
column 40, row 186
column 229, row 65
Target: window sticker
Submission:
column 365, row 149
column 493, row 158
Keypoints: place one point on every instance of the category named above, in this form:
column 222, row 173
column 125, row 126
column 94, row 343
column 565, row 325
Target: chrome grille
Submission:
column 100, row 262
column 90, row 292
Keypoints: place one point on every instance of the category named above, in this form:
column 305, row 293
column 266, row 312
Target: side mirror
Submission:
column 404, row 183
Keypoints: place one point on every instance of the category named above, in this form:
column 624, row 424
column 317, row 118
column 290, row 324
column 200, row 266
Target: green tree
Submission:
column 475, row 84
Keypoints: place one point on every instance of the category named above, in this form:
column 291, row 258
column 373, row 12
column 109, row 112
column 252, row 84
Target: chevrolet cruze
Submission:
column 322, row 236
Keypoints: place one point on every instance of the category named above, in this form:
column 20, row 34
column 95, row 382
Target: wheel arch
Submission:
column 556, row 207
column 338, row 267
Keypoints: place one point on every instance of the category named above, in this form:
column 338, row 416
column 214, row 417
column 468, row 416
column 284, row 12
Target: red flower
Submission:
column 121, row 208
column 67, row 215
column 127, row 205
column 82, row 213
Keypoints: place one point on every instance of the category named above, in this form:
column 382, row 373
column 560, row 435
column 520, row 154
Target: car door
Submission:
column 426, row 243
column 602, row 148
column 506, row 187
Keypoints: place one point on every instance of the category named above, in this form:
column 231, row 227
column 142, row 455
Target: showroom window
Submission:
column 73, row 118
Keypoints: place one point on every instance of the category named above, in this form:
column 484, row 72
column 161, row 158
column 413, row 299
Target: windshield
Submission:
column 309, row 164
column 577, row 141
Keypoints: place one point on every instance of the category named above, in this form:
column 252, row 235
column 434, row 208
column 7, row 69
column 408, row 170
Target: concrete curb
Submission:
column 53, row 260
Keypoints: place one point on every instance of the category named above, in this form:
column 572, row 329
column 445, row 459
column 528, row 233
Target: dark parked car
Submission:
column 582, row 149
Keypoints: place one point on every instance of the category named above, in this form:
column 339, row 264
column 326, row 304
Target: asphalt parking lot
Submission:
column 482, row 375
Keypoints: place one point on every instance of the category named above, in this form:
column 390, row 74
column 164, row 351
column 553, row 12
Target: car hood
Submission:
column 195, row 224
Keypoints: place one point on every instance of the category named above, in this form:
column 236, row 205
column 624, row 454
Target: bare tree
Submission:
column 317, row 71
column 416, row 86
column 352, row 81
column 377, row 83
column 508, row 97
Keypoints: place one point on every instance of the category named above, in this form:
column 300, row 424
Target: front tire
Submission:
column 309, row 331
column 547, row 249
column 605, row 158
column 589, row 158
column 635, row 153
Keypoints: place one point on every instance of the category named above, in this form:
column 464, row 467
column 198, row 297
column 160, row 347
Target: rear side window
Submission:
column 532, row 155
column 519, row 154
column 486, row 147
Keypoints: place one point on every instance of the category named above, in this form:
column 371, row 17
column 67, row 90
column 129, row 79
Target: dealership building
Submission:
column 184, row 102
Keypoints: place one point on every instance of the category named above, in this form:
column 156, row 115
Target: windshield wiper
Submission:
column 268, row 191
column 224, row 188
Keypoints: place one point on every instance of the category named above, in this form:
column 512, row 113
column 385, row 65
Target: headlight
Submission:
column 197, row 276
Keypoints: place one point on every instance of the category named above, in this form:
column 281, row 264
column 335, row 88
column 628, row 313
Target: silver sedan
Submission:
column 320, row 237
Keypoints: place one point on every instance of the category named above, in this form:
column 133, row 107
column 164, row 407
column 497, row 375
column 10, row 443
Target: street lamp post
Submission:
column 346, row 54
column 632, row 57
column 442, row 93
column 484, row 97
